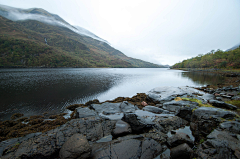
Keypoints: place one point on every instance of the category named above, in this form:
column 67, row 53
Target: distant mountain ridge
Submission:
column 35, row 37
column 234, row 47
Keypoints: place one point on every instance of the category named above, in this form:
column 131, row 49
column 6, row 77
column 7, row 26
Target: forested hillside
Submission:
column 213, row 59
column 37, row 43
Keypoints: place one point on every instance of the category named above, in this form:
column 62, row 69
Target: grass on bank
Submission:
column 194, row 100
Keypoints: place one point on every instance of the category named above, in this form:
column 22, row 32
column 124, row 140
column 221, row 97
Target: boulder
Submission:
column 219, row 145
column 126, row 107
column 231, row 126
column 107, row 107
column 182, row 151
column 178, row 139
column 137, row 123
column 167, row 124
column 84, row 112
column 48, row 144
column 76, row 147
column 121, row 128
column 222, row 104
column 206, row 119
column 175, row 106
column 128, row 148
column 153, row 109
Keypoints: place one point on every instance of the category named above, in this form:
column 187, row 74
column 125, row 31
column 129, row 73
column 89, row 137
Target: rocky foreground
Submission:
column 186, row 123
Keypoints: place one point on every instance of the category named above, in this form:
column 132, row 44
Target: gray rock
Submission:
column 185, row 113
column 84, row 112
column 137, row 123
column 222, row 104
column 10, row 145
column 231, row 126
column 131, row 148
column 127, row 107
column 167, row 124
column 178, row 139
column 166, row 94
column 205, row 119
column 182, row 151
column 107, row 107
column 219, row 145
column 153, row 109
column 156, row 135
column 48, row 144
column 175, row 106
column 121, row 128
column 76, row 147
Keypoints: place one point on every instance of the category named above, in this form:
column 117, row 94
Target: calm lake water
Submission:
column 35, row 91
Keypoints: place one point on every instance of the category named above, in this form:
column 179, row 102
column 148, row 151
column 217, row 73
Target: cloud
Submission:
column 15, row 15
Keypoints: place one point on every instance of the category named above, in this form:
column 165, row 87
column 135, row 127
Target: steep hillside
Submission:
column 47, row 36
column 217, row 59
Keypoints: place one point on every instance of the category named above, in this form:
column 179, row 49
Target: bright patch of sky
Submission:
column 158, row 31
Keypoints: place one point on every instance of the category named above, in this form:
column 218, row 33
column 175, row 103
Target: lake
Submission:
column 37, row 90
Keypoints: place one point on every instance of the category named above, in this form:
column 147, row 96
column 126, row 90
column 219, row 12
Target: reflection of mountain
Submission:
column 35, row 37
column 203, row 78
column 36, row 91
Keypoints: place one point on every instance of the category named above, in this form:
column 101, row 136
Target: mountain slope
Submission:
column 58, row 43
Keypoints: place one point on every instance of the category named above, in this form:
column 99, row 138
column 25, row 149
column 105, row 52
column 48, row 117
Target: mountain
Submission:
column 233, row 48
column 35, row 37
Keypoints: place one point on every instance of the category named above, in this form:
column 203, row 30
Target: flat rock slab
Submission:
column 109, row 108
column 222, row 104
column 76, row 146
column 166, row 94
column 128, row 148
column 84, row 112
column 121, row 128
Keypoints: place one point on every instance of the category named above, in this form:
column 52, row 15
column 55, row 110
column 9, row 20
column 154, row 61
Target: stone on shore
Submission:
column 76, row 147
column 121, row 128
column 178, row 139
column 222, row 104
column 182, row 151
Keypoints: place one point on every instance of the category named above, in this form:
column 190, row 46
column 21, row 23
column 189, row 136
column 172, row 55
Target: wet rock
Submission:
column 167, row 94
column 156, row 135
column 219, row 144
column 121, row 128
column 205, row 119
column 175, row 106
column 76, row 146
column 178, row 139
column 84, row 112
column 167, row 124
column 127, row 107
column 182, row 151
column 222, row 104
column 48, row 144
column 131, row 148
column 11, row 145
column 185, row 113
column 231, row 126
column 106, row 107
column 137, row 123
column 153, row 109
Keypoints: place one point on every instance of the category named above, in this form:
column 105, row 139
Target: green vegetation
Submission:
column 213, row 59
column 234, row 102
column 194, row 100
column 30, row 43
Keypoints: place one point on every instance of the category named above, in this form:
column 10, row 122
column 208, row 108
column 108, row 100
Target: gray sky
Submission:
column 158, row 31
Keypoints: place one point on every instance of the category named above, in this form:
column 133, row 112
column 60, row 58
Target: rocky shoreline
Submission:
column 172, row 122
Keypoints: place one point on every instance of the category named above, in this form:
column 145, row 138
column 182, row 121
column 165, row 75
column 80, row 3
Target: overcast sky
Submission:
column 158, row 31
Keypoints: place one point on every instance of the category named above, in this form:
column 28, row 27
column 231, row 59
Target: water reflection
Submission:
column 204, row 78
column 35, row 91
